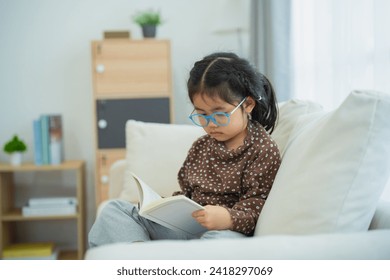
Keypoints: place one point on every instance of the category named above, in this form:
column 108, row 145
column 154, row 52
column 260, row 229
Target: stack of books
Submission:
column 30, row 251
column 51, row 206
column 48, row 140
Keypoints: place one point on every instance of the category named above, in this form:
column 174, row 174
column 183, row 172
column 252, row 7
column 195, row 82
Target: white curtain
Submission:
column 339, row 46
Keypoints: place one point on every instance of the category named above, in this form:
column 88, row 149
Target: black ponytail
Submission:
column 266, row 109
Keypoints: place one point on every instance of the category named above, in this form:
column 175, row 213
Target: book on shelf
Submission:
column 55, row 139
column 50, row 206
column 30, row 251
column 44, row 119
column 38, row 160
column 173, row 212
column 48, row 139
column 52, row 201
column 51, row 210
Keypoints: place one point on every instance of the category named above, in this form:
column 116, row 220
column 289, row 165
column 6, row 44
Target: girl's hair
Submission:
column 231, row 78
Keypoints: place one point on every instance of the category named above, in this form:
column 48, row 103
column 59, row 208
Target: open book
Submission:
column 172, row 212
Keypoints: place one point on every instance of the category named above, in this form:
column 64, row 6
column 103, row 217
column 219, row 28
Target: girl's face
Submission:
column 234, row 133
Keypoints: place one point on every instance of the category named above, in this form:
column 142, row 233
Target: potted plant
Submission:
column 148, row 20
column 15, row 147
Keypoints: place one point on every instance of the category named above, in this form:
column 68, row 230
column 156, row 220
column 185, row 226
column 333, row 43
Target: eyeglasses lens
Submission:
column 221, row 119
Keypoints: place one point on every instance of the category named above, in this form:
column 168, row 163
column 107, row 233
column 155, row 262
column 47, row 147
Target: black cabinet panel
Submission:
column 112, row 115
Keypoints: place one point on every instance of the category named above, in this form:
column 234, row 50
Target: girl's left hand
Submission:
column 213, row 217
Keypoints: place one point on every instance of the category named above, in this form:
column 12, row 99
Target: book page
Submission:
column 175, row 213
column 147, row 194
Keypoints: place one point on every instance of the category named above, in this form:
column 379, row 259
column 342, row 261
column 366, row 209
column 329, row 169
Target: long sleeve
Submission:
column 256, row 185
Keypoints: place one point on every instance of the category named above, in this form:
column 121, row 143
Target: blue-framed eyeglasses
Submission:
column 218, row 118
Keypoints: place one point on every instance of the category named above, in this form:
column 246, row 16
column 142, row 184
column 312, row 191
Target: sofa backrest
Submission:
column 155, row 153
column 335, row 167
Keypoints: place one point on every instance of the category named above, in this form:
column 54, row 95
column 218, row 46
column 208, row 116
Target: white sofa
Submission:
column 326, row 202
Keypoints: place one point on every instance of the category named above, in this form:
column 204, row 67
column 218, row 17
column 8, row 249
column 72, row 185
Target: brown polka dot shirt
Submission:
column 238, row 180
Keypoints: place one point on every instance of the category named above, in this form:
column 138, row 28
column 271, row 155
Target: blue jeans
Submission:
column 119, row 221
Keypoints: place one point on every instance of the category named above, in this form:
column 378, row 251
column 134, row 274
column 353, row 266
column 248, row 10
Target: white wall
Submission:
column 45, row 66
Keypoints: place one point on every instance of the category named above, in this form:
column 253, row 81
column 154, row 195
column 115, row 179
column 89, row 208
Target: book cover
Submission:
column 28, row 249
column 55, row 139
column 173, row 212
column 37, row 131
column 53, row 256
column 45, row 139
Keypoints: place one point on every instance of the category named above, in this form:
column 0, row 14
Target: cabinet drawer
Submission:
column 128, row 66
column 113, row 114
column 105, row 159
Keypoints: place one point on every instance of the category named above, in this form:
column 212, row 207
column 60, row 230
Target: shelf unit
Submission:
column 131, row 80
column 10, row 215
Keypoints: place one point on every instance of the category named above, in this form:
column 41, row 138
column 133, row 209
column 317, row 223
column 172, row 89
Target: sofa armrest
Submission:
column 117, row 175
column 381, row 219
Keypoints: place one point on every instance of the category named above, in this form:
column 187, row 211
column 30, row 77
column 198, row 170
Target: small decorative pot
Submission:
column 149, row 31
column 16, row 158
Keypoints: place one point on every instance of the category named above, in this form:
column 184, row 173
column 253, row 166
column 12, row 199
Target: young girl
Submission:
column 230, row 170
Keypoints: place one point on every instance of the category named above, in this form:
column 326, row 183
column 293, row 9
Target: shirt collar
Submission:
column 222, row 152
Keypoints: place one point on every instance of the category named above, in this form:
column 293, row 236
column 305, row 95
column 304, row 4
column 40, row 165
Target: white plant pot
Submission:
column 16, row 158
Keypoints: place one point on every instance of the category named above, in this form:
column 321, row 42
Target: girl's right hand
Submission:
column 213, row 217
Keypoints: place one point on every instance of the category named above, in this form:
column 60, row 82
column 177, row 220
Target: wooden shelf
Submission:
column 68, row 255
column 15, row 215
column 28, row 166
column 11, row 215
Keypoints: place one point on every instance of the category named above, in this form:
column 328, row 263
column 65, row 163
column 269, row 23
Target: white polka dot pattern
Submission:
column 238, row 180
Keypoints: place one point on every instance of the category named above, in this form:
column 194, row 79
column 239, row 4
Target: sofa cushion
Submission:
column 289, row 113
column 373, row 245
column 155, row 153
column 381, row 219
column 334, row 169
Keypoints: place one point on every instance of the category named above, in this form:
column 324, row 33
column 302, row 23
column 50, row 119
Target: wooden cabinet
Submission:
column 10, row 216
column 131, row 80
